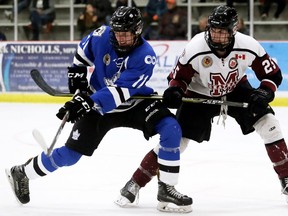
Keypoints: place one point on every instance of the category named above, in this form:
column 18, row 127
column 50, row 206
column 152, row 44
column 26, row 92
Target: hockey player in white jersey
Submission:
column 123, row 63
column 213, row 65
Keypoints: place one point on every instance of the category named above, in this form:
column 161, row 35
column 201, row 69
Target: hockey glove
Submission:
column 259, row 100
column 172, row 97
column 77, row 107
column 77, row 79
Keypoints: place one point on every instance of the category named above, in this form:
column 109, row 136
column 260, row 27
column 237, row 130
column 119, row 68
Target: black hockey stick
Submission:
column 198, row 100
column 37, row 77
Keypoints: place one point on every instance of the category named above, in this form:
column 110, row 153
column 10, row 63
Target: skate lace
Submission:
column 286, row 182
column 285, row 189
column 173, row 192
column 24, row 186
column 133, row 188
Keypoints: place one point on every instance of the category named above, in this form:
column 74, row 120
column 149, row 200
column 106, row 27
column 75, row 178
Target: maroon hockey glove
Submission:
column 172, row 97
column 77, row 107
column 77, row 79
column 259, row 100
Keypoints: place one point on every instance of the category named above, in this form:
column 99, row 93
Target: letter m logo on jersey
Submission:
column 220, row 85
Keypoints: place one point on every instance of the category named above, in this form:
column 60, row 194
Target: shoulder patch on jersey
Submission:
column 240, row 56
column 233, row 63
column 207, row 61
column 107, row 59
column 99, row 31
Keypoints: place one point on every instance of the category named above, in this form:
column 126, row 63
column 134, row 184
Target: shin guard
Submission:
column 147, row 169
column 278, row 154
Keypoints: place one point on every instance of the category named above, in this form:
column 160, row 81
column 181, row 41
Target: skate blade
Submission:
column 123, row 202
column 10, row 180
column 170, row 207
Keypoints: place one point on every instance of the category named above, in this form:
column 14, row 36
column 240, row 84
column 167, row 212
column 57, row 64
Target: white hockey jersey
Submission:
column 200, row 70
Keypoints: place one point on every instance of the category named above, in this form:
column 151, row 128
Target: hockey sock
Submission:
column 169, row 150
column 147, row 169
column 168, row 156
column 278, row 154
column 42, row 165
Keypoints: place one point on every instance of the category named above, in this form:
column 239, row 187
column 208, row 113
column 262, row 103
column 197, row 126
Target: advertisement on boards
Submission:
column 53, row 58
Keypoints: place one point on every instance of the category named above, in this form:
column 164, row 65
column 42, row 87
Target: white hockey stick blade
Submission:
column 40, row 140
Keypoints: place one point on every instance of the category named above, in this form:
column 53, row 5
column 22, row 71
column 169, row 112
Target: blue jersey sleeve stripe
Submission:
column 80, row 56
column 79, row 60
column 115, row 95
column 121, row 95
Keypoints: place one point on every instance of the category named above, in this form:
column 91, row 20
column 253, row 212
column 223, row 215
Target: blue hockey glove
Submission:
column 77, row 79
column 259, row 100
column 172, row 97
column 77, row 107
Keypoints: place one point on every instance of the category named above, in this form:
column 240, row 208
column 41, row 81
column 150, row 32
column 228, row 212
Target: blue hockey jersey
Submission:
column 115, row 78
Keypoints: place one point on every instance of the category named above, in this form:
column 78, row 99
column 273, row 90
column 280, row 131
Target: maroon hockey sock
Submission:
column 278, row 154
column 147, row 169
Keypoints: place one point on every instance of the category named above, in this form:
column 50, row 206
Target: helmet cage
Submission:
column 223, row 17
column 126, row 19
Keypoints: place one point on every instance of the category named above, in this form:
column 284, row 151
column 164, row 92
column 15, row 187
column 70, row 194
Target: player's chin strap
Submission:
column 223, row 112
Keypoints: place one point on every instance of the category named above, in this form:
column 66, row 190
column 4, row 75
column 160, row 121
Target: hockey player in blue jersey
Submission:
column 123, row 63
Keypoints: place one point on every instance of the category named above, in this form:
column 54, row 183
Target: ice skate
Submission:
column 170, row 200
column 129, row 193
column 284, row 184
column 19, row 183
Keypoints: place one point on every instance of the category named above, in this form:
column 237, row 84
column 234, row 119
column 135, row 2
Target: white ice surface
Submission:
column 229, row 175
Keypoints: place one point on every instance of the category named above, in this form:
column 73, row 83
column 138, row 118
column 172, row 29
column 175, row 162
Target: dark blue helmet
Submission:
column 222, row 17
column 126, row 19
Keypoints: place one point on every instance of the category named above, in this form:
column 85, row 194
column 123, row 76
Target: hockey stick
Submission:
column 198, row 100
column 41, row 141
column 37, row 77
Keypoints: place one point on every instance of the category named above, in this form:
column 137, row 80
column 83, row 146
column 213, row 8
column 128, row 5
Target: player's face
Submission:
column 220, row 36
column 124, row 38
